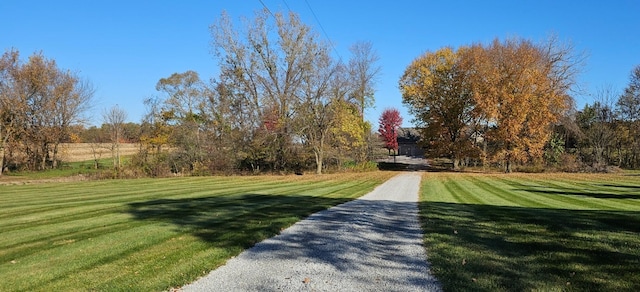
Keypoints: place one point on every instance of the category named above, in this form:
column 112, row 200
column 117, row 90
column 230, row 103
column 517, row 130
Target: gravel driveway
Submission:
column 373, row 243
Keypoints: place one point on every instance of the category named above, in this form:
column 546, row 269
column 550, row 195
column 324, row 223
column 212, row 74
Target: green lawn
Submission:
column 67, row 169
column 150, row 234
column 516, row 232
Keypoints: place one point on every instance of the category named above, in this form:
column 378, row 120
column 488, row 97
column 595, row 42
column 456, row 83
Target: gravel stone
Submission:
column 373, row 243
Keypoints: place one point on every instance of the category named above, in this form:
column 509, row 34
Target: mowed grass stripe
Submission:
column 583, row 193
column 153, row 234
column 547, row 190
column 81, row 212
column 478, row 187
column 48, row 208
column 524, row 198
column 608, row 194
column 532, row 232
column 83, row 217
column 79, row 254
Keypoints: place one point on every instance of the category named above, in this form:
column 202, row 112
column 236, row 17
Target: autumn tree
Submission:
column 8, row 102
column 315, row 106
column 435, row 88
column 183, row 106
column 521, row 89
column 264, row 67
column 389, row 123
column 350, row 133
column 363, row 72
column 44, row 102
column 282, row 89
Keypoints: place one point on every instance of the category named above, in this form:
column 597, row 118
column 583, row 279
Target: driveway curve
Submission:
column 373, row 243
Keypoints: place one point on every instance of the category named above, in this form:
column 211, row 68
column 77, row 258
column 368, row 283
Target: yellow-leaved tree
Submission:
column 438, row 95
column 521, row 89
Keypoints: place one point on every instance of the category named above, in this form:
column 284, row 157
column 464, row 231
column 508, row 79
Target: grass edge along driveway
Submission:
column 523, row 232
column 151, row 234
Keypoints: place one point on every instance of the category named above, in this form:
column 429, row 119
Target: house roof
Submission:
column 408, row 135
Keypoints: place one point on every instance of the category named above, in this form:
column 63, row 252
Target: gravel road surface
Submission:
column 373, row 243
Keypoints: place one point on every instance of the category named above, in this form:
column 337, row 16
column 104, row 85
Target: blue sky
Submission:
column 125, row 47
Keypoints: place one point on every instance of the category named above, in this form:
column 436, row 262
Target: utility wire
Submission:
column 322, row 28
column 267, row 8
column 314, row 16
column 286, row 4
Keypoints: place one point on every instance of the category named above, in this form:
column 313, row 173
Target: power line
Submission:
column 322, row 28
column 314, row 16
column 286, row 4
column 267, row 8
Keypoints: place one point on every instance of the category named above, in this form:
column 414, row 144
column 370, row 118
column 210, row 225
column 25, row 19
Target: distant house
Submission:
column 408, row 139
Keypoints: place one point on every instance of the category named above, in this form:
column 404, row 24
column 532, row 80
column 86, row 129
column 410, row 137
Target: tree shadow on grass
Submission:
column 340, row 237
column 601, row 191
column 234, row 221
column 497, row 248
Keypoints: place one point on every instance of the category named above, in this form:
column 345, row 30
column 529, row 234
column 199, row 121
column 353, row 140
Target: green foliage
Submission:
column 554, row 150
column 533, row 232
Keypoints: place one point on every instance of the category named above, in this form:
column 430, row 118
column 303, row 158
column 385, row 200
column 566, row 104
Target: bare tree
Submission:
column 264, row 70
column 364, row 71
column 68, row 105
column 8, row 65
column 115, row 118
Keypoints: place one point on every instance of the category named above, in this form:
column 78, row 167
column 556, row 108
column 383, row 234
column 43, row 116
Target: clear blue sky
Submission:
column 125, row 47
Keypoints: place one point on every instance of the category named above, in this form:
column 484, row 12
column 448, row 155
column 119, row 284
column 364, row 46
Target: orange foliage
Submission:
column 515, row 87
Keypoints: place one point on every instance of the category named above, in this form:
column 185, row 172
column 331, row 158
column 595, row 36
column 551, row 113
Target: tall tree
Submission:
column 364, row 71
column 390, row 122
column 315, row 108
column 628, row 105
column 435, row 89
column 44, row 102
column 8, row 102
column 628, row 111
column 115, row 118
column 184, row 107
column 265, row 69
column 521, row 89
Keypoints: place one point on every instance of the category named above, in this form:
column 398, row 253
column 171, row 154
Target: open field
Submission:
column 517, row 232
column 74, row 152
column 150, row 234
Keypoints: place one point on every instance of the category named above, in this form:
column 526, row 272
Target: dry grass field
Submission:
column 73, row 152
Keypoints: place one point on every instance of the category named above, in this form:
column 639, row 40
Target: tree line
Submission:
column 39, row 102
column 510, row 103
column 280, row 103
column 607, row 132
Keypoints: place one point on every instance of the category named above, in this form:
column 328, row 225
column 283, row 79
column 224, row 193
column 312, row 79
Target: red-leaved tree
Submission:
column 390, row 122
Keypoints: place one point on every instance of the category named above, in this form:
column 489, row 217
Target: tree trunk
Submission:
column 318, row 155
column 118, row 155
column 508, row 165
column 45, row 154
column 456, row 163
column 1, row 159
column 55, row 156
